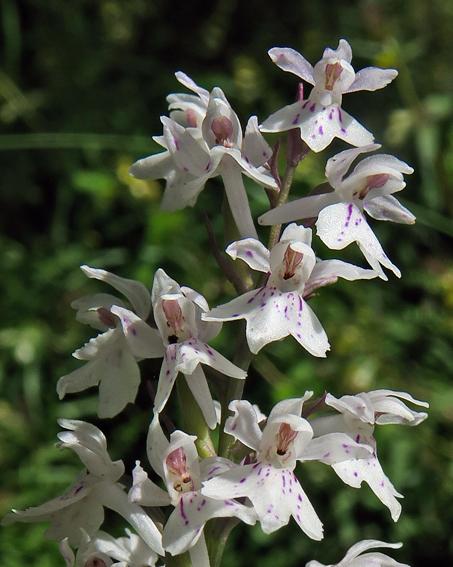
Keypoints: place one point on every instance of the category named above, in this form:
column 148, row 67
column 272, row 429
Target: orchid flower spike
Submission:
column 341, row 219
column 279, row 308
column 193, row 154
column 183, row 472
column 320, row 117
column 269, row 482
column 80, row 510
column 356, row 556
column 125, row 339
column 184, row 338
column 358, row 416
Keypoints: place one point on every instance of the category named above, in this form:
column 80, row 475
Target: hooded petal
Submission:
column 290, row 60
column 338, row 165
column 252, row 252
column 135, row 292
column 88, row 305
column 341, row 224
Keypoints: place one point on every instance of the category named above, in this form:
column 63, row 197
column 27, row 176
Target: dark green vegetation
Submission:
column 82, row 85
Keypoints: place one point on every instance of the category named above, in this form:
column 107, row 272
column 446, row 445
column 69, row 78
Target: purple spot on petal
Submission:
column 320, row 130
column 242, row 480
column 312, row 107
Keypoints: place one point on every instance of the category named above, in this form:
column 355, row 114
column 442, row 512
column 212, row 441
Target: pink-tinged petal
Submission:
column 387, row 208
column 192, row 85
column 293, row 62
column 356, row 471
column 156, row 446
column 190, row 155
column 343, row 51
column 338, row 165
column 255, row 149
column 146, row 492
column 157, row 166
column 190, row 515
column 372, row 79
column 135, row 292
column 304, row 208
column 199, row 387
column 143, row 341
column 237, row 198
column 341, row 224
column 335, row 448
column 327, row 272
column 113, row 496
column 252, row 252
column 243, row 425
column 167, row 377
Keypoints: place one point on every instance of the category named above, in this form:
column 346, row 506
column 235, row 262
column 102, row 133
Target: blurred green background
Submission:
column 82, row 86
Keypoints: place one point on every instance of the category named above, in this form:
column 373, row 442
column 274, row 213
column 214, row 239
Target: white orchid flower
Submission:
column 356, row 557
column 195, row 154
column 341, row 219
column 279, row 309
column 177, row 463
column 188, row 110
column 359, row 415
column 320, row 117
column 101, row 549
column 270, row 483
column 81, row 508
column 184, row 336
column 112, row 356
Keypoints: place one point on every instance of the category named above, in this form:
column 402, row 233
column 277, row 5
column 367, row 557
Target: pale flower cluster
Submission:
column 181, row 487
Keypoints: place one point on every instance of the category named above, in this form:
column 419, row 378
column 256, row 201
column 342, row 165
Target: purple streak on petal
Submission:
column 296, row 119
column 182, row 512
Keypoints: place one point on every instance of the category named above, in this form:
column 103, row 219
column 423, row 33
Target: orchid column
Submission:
column 234, row 463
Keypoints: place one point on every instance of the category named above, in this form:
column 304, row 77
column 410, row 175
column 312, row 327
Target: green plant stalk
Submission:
column 193, row 421
column 282, row 198
column 179, row 560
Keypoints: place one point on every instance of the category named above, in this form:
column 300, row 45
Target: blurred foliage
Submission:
column 82, row 85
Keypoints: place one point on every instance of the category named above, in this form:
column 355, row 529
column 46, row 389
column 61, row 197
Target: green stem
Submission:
column 178, row 560
column 283, row 197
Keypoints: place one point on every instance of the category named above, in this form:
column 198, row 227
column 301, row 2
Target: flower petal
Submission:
column 252, row 252
column 255, row 149
column 145, row 492
column 244, row 424
column 157, row 166
column 372, row 79
column 194, row 352
column 156, row 446
column 387, row 208
column 199, row 387
column 339, row 225
column 304, row 208
column 327, row 272
column 237, row 198
column 293, row 62
column 144, row 341
column 356, row 471
column 135, row 292
column 167, row 377
column 192, row 85
column 334, row 448
column 191, row 514
column 338, row 165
